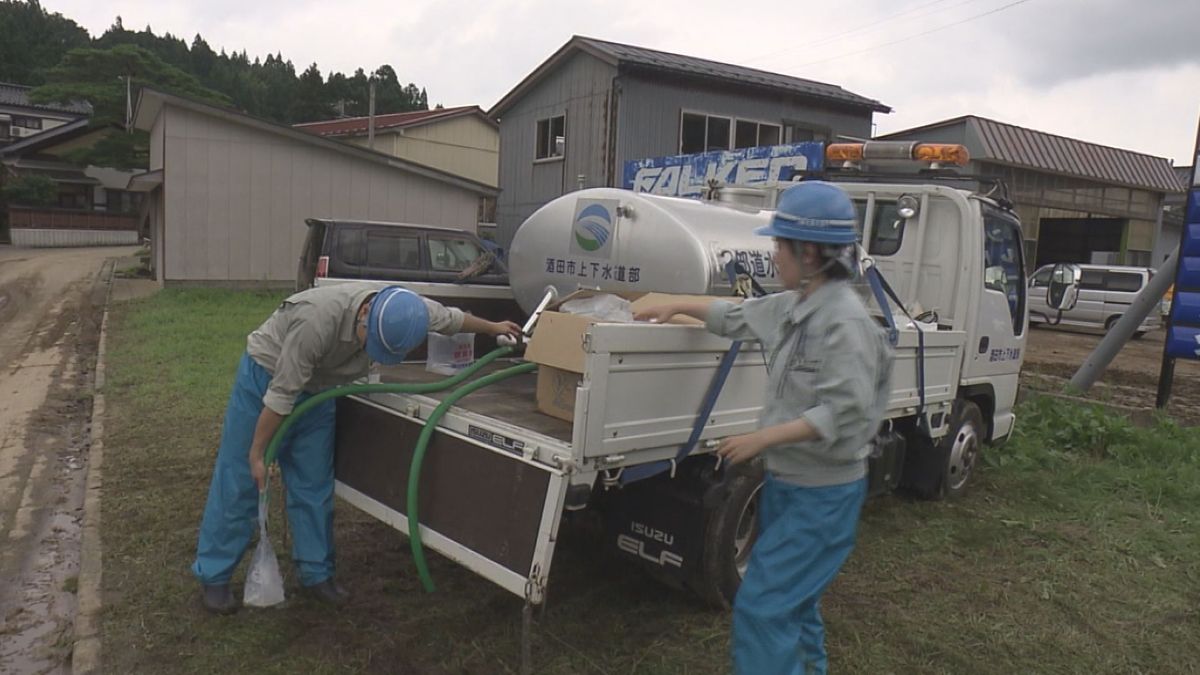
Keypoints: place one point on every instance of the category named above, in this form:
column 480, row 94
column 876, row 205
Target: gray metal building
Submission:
column 593, row 105
column 1078, row 201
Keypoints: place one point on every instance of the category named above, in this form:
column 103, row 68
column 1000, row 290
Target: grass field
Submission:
column 1075, row 552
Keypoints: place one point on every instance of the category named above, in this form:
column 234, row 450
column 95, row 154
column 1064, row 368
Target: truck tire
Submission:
column 954, row 457
column 730, row 534
column 961, row 448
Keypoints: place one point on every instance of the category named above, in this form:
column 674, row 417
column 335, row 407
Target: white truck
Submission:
column 499, row 472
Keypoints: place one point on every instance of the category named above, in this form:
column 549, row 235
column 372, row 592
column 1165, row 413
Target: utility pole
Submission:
column 128, row 103
column 371, row 112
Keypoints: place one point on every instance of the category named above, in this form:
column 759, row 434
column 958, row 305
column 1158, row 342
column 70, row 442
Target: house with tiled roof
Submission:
column 462, row 140
column 21, row 118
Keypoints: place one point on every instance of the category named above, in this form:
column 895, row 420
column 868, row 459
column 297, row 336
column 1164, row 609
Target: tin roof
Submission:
column 1018, row 146
column 622, row 55
column 353, row 126
column 18, row 95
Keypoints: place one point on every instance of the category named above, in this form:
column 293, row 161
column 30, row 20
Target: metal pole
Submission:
column 128, row 105
column 1145, row 302
column 371, row 113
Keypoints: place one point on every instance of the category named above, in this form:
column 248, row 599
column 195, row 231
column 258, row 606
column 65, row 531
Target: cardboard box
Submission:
column 557, row 346
column 556, row 391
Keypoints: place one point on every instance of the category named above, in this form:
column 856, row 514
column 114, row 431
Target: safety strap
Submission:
column 882, row 291
column 642, row 471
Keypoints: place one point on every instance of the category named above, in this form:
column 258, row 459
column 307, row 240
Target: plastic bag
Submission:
column 605, row 307
column 264, row 583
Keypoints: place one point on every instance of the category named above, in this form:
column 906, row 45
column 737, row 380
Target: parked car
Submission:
column 1105, row 293
column 451, row 266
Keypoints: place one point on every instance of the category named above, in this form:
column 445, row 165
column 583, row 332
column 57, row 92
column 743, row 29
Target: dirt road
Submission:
column 51, row 302
column 1132, row 380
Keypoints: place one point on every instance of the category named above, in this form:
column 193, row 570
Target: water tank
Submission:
column 618, row 240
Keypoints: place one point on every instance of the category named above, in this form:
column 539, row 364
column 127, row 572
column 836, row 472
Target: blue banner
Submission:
column 689, row 175
column 1183, row 334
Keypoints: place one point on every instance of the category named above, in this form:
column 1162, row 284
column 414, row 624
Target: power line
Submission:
column 915, row 36
column 866, row 26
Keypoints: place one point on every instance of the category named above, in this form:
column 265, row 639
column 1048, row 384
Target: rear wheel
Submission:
column 1111, row 323
column 730, row 536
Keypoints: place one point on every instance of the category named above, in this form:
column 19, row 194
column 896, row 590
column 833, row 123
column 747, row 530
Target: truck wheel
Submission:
column 1111, row 323
column 731, row 532
column 954, row 456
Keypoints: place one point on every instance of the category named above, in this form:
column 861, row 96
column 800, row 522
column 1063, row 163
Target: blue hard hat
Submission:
column 397, row 322
column 814, row 211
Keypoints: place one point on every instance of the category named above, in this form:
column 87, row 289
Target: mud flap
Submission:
column 487, row 508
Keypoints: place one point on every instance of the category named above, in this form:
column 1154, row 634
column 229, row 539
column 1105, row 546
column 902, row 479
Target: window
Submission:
column 448, row 254
column 487, row 210
column 551, row 137
column 1091, row 280
column 887, row 232
column 1004, row 268
column 701, row 133
column 4, row 130
column 799, row 133
column 1042, row 278
column 692, row 133
column 393, row 252
column 754, row 134
column 1123, row 282
column 718, row 133
column 27, row 122
column 352, row 246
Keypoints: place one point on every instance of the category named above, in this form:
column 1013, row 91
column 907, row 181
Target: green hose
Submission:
column 414, row 471
column 390, row 388
column 414, row 528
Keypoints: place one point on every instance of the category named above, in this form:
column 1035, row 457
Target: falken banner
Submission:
column 688, row 175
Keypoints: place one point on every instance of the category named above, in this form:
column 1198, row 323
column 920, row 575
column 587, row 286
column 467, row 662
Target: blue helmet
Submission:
column 814, row 211
column 397, row 322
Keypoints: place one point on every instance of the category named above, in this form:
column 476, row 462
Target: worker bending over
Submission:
column 316, row 339
column 829, row 366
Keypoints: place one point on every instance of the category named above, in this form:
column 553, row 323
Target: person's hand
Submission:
column 508, row 328
column 660, row 314
column 738, row 449
column 258, row 469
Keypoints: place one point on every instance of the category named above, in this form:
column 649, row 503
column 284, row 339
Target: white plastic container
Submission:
column 450, row 354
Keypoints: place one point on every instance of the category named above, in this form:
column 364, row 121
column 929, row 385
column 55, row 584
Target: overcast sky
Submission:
column 1119, row 72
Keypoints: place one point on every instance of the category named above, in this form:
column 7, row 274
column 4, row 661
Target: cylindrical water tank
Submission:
column 618, row 240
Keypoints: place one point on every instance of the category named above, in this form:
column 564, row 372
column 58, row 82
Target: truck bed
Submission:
column 513, row 400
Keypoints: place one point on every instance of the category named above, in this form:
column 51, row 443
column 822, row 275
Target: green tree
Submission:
column 312, row 101
column 98, row 76
column 32, row 39
column 30, row 190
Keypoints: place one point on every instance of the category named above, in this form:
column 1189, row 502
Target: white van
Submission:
column 1105, row 293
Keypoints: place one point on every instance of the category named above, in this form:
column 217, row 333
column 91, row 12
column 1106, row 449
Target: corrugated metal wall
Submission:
column 38, row 238
column 649, row 114
column 580, row 88
column 236, row 198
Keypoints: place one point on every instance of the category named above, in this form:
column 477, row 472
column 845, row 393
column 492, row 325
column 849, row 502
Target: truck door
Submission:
column 1001, row 325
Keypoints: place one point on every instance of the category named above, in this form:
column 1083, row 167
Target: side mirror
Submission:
column 1063, row 291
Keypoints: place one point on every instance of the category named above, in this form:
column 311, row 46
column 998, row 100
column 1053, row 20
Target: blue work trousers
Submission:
column 306, row 461
column 804, row 537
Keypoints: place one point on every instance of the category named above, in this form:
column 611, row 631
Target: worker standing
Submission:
column 316, row 339
column 829, row 366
